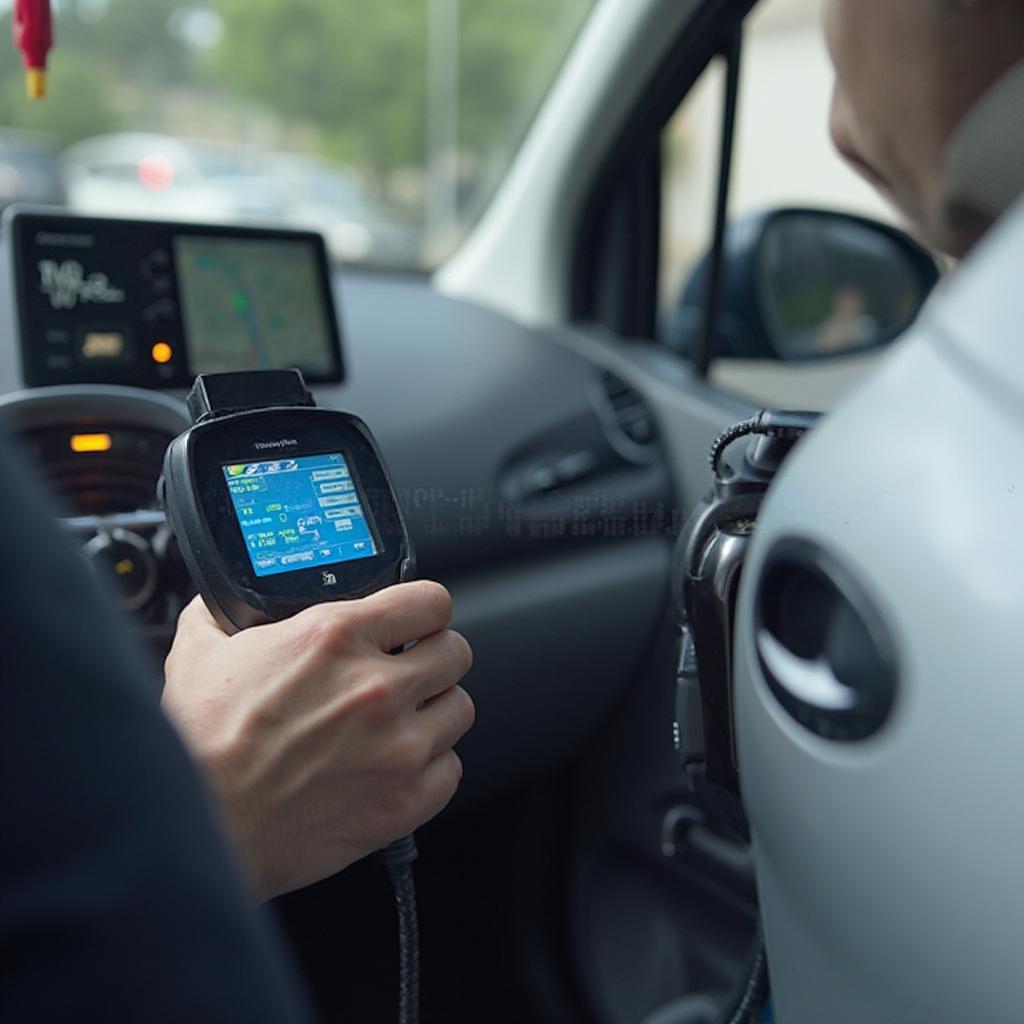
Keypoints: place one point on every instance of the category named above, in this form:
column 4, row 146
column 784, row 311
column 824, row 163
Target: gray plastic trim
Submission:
column 75, row 404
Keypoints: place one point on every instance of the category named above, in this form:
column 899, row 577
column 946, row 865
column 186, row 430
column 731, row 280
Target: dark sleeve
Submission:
column 118, row 898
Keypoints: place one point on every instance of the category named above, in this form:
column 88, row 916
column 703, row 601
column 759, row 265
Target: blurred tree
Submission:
column 111, row 57
column 508, row 51
column 359, row 70
column 355, row 70
column 128, row 38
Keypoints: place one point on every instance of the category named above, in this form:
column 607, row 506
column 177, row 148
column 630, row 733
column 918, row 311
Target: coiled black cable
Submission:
column 755, row 990
column 726, row 438
column 768, row 423
column 397, row 858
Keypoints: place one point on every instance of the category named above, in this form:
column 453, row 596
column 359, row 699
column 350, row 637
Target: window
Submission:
column 783, row 157
column 385, row 125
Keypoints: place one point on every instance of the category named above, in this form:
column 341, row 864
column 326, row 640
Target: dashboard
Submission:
column 531, row 475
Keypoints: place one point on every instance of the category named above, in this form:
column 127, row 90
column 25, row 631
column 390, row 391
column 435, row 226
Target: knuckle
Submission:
column 461, row 653
column 416, row 802
column 407, row 755
column 403, row 805
column 465, row 710
column 326, row 629
column 266, row 719
column 437, row 597
column 448, row 781
column 379, row 695
column 189, row 613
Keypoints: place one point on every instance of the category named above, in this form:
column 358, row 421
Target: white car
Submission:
column 150, row 175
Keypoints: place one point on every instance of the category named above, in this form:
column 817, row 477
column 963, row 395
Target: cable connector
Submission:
column 767, row 423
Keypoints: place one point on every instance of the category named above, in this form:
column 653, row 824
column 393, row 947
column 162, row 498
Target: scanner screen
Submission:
column 299, row 513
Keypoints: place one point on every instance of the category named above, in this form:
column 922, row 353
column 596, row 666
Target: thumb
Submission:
column 197, row 628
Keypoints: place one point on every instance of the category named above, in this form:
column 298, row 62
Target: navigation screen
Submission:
column 299, row 513
column 252, row 304
column 152, row 303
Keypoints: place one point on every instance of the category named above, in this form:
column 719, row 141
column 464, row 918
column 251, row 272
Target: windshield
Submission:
column 386, row 126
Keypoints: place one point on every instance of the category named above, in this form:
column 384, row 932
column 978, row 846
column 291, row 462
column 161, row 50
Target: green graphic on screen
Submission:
column 252, row 304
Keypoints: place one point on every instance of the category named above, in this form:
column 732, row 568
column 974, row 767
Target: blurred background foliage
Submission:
column 344, row 78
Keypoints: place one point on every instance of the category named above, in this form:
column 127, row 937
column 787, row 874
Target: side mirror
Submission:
column 807, row 284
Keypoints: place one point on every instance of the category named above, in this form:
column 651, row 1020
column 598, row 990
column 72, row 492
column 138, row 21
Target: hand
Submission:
column 319, row 744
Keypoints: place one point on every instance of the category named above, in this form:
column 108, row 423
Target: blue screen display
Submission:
column 299, row 513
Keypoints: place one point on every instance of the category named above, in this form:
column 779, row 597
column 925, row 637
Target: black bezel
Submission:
column 21, row 223
column 232, row 439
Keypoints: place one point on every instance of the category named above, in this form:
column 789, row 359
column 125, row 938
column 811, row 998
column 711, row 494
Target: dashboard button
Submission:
column 162, row 309
column 155, row 265
column 125, row 560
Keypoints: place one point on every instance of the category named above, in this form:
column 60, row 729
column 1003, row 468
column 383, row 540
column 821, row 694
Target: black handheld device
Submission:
column 277, row 505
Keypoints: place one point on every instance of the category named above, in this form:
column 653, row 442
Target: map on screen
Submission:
column 253, row 304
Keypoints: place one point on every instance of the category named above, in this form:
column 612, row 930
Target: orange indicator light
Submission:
column 161, row 352
column 91, row 442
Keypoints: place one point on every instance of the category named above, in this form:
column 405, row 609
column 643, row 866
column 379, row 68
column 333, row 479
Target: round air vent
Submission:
column 628, row 420
column 824, row 648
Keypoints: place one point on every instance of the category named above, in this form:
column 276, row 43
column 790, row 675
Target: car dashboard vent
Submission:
column 628, row 420
column 120, row 478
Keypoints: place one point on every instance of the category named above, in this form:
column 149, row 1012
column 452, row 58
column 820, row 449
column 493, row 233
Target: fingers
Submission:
column 196, row 617
column 197, row 633
column 441, row 779
column 447, row 718
column 404, row 613
column 389, row 619
column 435, row 664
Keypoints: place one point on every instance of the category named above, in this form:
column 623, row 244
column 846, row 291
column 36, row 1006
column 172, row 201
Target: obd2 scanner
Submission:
column 277, row 505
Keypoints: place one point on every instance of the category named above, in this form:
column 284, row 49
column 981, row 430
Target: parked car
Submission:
column 333, row 199
column 151, row 175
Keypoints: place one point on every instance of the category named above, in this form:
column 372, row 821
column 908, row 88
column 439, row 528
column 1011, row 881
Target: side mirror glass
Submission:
column 808, row 284
column 833, row 285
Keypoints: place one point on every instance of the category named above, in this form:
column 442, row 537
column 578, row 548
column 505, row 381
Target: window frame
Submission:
column 616, row 250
